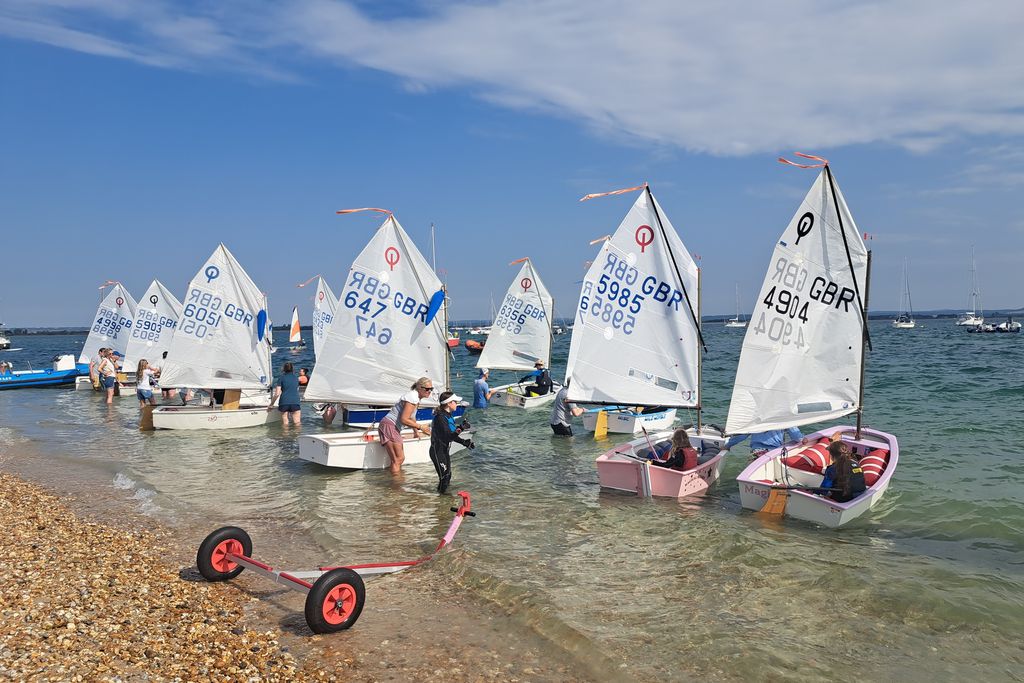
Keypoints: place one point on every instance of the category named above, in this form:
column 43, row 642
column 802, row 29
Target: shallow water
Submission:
column 930, row 583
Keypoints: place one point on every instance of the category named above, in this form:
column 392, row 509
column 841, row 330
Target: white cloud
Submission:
column 726, row 78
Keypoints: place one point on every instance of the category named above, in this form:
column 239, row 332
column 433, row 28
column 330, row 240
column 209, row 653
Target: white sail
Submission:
column 221, row 340
column 112, row 324
column 802, row 353
column 325, row 305
column 634, row 338
column 379, row 342
column 294, row 331
column 521, row 333
column 155, row 321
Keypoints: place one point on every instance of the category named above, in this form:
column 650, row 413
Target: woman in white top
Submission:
column 403, row 414
column 144, row 388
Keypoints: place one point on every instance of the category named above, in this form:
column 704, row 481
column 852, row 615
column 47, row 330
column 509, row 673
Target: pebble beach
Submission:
column 87, row 600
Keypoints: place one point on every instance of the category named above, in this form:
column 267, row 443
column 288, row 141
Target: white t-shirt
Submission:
column 146, row 381
column 395, row 413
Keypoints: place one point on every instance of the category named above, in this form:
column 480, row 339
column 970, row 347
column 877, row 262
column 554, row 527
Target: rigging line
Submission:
column 664, row 236
column 849, row 259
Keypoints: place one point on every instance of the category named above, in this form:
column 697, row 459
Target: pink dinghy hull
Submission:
column 766, row 472
column 627, row 468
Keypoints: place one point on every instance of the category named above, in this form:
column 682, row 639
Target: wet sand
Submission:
column 87, row 575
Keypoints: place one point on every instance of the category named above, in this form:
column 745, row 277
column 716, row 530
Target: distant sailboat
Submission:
column 737, row 321
column 975, row 317
column 295, row 333
column 521, row 336
column 905, row 319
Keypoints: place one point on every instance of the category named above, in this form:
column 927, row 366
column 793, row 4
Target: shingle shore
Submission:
column 85, row 601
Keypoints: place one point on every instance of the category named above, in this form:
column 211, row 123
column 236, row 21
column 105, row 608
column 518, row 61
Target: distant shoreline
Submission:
column 880, row 315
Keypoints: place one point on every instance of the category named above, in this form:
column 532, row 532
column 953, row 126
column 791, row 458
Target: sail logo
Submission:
column 320, row 296
column 644, row 237
column 211, row 273
column 526, row 283
column 391, row 257
column 120, row 301
column 154, row 299
column 803, row 227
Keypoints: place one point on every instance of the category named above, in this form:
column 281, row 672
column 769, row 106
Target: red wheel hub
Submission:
column 339, row 604
column 219, row 557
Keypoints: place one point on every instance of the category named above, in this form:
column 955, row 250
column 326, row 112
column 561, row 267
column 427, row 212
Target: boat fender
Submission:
column 873, row 464
column 810, row 459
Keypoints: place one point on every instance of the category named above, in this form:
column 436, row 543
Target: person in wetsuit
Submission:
column 844, row 480
column 442, row 433
column 541, row 378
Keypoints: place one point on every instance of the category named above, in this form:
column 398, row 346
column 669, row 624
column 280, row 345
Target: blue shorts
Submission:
column 108, row 382
column 144, row 394
column 290, row 408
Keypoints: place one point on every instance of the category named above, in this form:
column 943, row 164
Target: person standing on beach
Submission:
column 403, row 414
column 563, row 411
column 144, row 386
column 94, row 363
column 443, row 433
column 107, row 372
column 481, row 390
column 286, row 393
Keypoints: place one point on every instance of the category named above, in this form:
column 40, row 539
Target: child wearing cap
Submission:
column 442, row 433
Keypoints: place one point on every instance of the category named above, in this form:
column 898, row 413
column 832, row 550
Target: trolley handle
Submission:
column 464, row 510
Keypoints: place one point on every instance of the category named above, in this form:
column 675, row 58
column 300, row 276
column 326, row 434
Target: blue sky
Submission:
column 136, row 136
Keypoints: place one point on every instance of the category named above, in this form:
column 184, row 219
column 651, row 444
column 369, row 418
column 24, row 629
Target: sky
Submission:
column 138, row 135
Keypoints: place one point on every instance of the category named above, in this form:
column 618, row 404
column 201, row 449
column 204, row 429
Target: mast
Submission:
column 700, row 356
column 864, row 345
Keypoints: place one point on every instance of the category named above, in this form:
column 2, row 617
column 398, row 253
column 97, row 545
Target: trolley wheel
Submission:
column 335, row 601
column 212, row 556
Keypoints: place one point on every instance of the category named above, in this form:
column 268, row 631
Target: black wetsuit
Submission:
column 543, row 384
column 442, row 432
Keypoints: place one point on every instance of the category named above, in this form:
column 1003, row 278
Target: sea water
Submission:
column 929, row 585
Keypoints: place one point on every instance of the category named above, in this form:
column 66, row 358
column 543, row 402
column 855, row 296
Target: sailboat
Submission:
column 387, row 333
column 636, row 342
column 325, row 304
column 905, row 318
column 155, row 321
column 112, row 324
column 220, row 342
column 737, row 321
column 802, row 362
column 111, row 328
column 295, row 333
column 521, row 336
column 975, row 317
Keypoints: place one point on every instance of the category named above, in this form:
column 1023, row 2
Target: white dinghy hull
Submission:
column 514, row 396
column 200, row 417
column 627, row 468
column 628, row 422
column 362, row 450
column 767, row 472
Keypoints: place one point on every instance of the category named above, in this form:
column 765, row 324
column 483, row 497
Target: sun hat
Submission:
column 483, row 371
column 448, row 397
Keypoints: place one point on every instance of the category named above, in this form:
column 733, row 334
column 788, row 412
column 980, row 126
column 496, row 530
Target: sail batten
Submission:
column 380, row 340
column 802, row 352
column 221, row 340
column 635, row 341
column 521, row 330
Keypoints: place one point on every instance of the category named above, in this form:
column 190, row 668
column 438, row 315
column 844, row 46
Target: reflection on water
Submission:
column 935, row 568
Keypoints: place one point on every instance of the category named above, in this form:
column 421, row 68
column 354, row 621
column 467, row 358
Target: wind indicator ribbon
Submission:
column 613, row 192
column 365, row 208
column 108, row 283
column 308, row 281
column 824, row 162
column 520, row 260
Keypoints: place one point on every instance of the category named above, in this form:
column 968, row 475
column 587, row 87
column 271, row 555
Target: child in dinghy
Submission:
column 682, row 456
